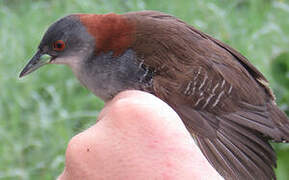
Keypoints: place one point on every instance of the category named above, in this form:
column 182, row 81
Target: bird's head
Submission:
column 75, row 38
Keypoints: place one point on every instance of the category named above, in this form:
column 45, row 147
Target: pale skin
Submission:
column 137, row 136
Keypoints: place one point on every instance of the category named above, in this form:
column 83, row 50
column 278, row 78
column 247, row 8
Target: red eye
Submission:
column 59, row 45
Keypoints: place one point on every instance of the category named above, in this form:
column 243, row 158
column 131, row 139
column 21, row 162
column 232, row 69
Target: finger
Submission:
column 137, row 136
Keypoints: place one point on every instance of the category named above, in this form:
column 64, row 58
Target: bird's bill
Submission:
column 39, row 59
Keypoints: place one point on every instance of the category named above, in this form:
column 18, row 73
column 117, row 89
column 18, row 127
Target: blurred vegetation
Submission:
column 40, row 113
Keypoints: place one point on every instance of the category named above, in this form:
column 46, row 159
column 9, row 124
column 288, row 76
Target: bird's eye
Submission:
column 59, row 45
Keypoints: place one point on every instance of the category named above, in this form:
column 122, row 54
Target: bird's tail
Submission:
column 281, row 121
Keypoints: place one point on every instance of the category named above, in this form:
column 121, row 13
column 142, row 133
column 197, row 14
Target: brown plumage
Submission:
column 223, row 100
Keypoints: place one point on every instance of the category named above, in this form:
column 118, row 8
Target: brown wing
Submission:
column 222, row 99
column 232, row 133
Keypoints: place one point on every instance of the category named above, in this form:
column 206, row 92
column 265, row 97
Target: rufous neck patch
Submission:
column 112, row 32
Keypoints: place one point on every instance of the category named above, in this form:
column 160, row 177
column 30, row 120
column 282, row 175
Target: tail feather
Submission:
column 281, row 121
column 240, row 152
column 250, row 140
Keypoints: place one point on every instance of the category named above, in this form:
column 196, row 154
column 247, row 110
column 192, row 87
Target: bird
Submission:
column 223, row 100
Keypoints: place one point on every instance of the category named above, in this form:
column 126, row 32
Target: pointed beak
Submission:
column 38, row 60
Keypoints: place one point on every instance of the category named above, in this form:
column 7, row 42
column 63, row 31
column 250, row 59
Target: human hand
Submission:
column 138, row 136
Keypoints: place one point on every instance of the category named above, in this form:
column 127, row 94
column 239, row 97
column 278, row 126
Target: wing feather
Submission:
column 223, row 100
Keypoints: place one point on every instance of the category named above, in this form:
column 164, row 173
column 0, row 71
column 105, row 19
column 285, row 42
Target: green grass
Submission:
column 40, row 113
